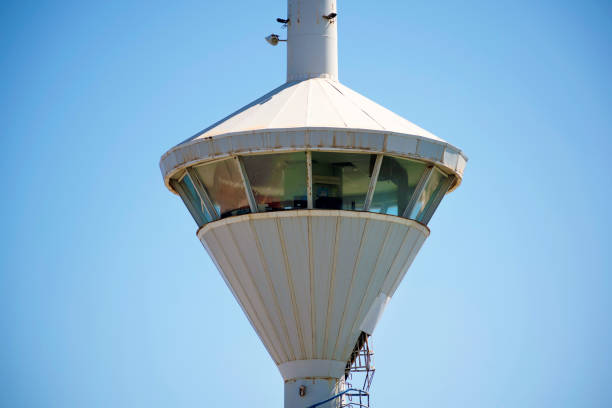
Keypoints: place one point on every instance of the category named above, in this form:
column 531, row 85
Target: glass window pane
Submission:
column 225, row 188
column 192, row 200
column 278, row 181
column 435, row 183
column 395, row 185
column 340, row 180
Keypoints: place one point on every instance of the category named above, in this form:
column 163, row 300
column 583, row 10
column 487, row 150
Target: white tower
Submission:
column 312, row 201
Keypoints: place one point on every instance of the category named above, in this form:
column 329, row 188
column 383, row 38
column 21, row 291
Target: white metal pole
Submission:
column 312, row 39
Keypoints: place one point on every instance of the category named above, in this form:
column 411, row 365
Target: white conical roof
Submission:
column 314, row 103
column 316, row 113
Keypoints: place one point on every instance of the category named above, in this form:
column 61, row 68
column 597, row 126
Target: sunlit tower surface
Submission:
column 313, row 202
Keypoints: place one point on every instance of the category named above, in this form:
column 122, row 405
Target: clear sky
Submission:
column 107, row 298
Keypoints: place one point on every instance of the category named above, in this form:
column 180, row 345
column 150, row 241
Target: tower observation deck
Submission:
column 312, row 202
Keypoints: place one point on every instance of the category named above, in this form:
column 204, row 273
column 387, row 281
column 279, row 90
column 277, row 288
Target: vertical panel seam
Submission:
column 250, row 276
column 274, row 294
column 332, row 276
column 332, row 104
column 296, row 315
column 395, row 281
column 380, row 251
column 350, row 288
column 313, row 319
column 262, row 335
column 395, row 258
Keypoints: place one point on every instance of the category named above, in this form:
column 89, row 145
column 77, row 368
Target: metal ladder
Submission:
column 360, row 367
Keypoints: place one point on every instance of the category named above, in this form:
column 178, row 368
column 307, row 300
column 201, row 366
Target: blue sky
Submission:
column 108, row 299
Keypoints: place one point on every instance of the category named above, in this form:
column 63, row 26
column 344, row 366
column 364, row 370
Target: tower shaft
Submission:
column 312, row 40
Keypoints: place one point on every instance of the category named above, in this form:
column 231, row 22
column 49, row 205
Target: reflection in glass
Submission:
column 192, row 200
column 225, row 187
column 395, row 185
column 340, row 180
column 278, row 181
column 427, row 196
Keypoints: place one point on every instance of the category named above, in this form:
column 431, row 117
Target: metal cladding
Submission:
column 314, row 114
column 312, row 40
column 312, row 276
column 311, row 281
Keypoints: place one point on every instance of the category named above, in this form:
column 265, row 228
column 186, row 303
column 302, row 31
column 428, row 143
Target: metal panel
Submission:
column 374, row 314
column 307, row 278
column 221, row 145
column 430, row 150
column 241, row 273
column 323, row 240
column 246, row 142
column 401, row 144
column 369, row 141
column 321, row 138
column 365, row 263
column 407, row 264
column 225, row 267
column 199, row 151
column 286, row 116
column 450, row 157
column 350, row 113
column 461, row 160
column 409, row 245
column 294, row 232
column 320, row 113
column 267, row 232
column 211, row 252
column 289, row 140
column 348, row 248
column 246, row 245
column 392, row 241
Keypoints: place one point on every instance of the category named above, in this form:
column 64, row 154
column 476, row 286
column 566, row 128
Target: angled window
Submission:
column 278, row 181
column 436, row 182
column 396, row 183
column 225, row 187
column 192, row 201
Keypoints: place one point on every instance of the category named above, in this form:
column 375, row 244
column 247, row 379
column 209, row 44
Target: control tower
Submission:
column 313, row 201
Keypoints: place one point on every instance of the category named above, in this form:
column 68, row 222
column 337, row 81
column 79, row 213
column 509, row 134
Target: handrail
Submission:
column 361, row 392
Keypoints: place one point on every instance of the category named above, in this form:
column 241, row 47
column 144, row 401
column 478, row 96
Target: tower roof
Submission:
column 313, row 103
column 315, row 113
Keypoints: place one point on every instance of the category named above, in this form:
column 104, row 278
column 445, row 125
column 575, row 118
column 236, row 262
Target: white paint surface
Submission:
column 312, row 40
column 311, row 280
column 373, row 316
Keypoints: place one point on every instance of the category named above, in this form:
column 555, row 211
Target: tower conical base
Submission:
column 311, row 281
